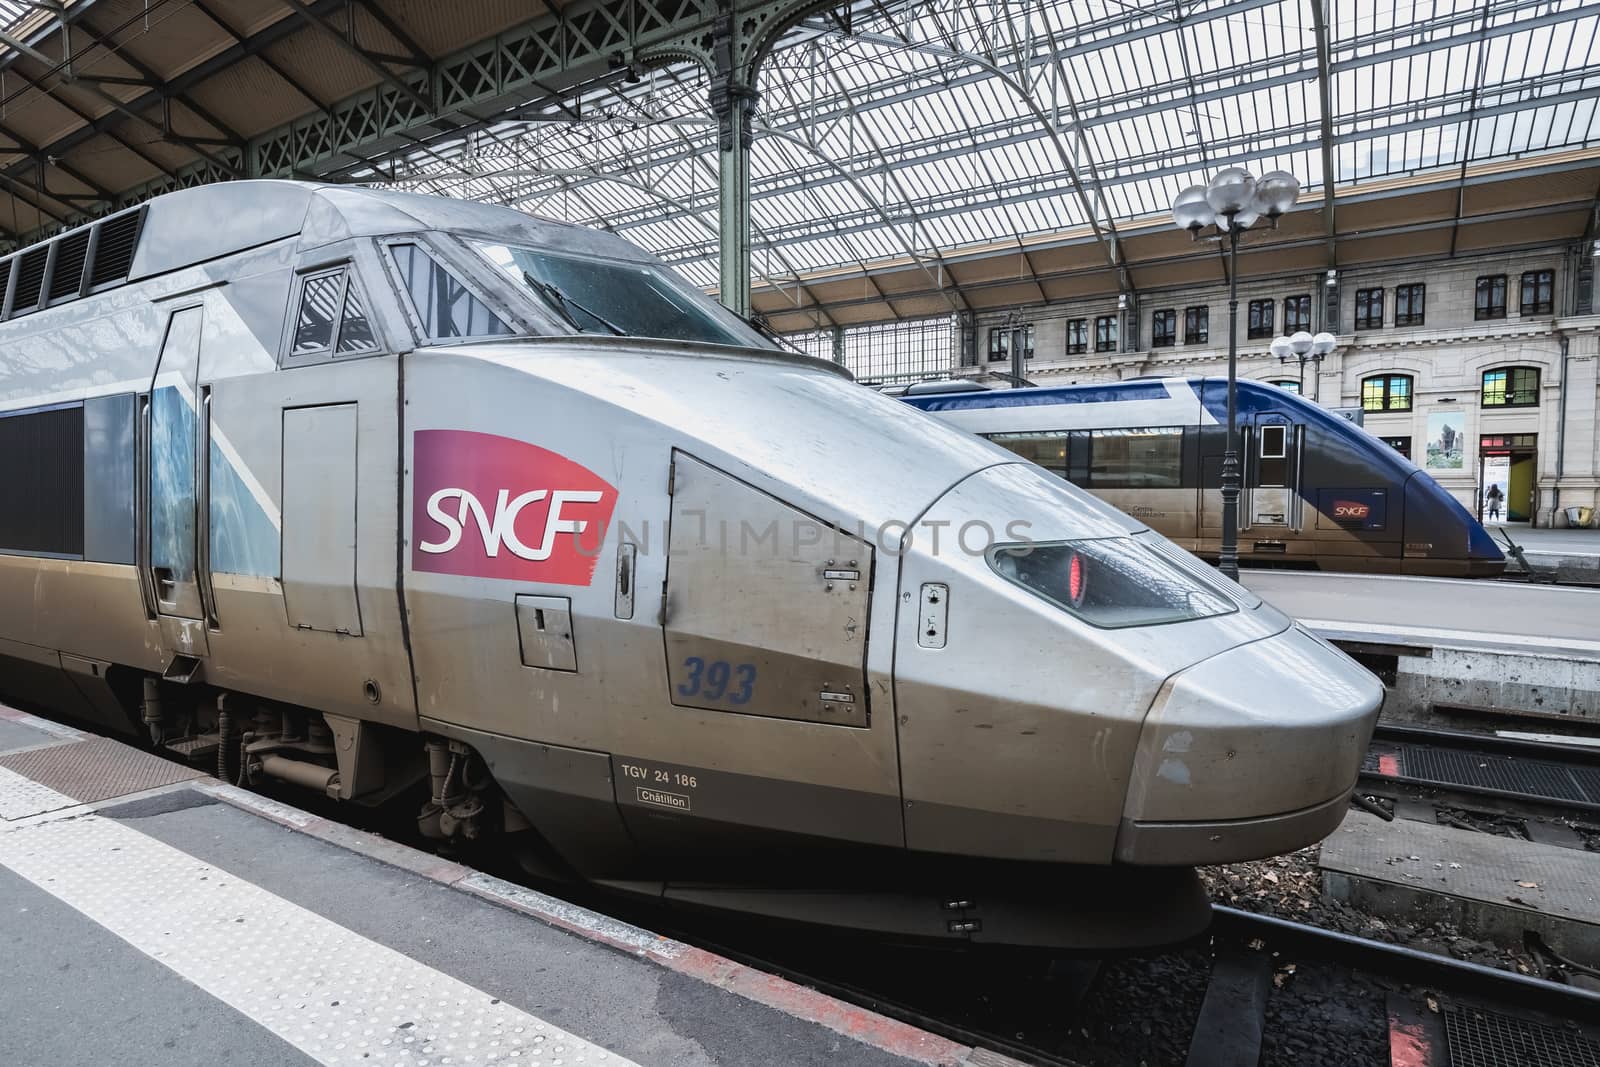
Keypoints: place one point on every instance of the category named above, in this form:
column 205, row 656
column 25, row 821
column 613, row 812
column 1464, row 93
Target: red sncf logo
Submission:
column 494, row 507
column 1350, row 509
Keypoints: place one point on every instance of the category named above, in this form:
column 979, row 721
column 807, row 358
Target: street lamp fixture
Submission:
column 1232, row 202
column 1303, row 348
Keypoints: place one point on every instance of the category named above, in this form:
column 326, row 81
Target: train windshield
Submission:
column 619, row 298
column 1111, row 582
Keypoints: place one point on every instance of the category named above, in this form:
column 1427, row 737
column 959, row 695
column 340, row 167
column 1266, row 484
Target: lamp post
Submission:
column 1232, row 202
column 1303, row 348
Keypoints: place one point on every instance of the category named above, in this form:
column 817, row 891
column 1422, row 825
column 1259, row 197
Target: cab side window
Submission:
column 445, row 307
column 332, row 318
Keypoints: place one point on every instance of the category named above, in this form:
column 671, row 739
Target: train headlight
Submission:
column 1111, row 581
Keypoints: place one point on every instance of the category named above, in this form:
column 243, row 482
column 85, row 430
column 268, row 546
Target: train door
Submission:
column 171, row 564
column 1213, row 449
column 1271, row 480
column 764, row 622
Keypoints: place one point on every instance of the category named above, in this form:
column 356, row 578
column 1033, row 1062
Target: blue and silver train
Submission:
column 1319, row 492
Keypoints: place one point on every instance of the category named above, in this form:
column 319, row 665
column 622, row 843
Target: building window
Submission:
column 1491, row 299
column 1386, row 392
column 1401, row 445
column 1260, row 318
column 1105, row 333
column 1164, row 329
column 1369, row 309
column 1285, row 383
column 999, row 343
column 1538, row 292
column 1296, row 314
column 1077, row 336
column 1409, row 303
column 1511, row 387
column 1196, row 325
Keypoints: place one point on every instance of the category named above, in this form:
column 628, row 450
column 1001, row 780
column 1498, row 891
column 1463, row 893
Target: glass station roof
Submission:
column 956, row 124
column 19, row 16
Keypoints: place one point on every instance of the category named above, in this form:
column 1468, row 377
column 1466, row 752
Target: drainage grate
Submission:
column 96, row 770
column 1549, row 779
column 1480, row 1038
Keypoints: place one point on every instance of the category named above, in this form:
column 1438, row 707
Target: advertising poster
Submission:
column 1446, row 438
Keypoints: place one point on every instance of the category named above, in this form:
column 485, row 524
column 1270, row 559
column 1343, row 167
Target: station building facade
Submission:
column 1482, row 370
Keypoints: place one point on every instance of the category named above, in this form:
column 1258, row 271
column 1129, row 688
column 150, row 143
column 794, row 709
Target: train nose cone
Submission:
column 1249, row 753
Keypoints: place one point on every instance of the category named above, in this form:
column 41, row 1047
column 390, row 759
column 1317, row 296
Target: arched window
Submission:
column 1285, row 383
column 1511, row 387
column 1386, row 392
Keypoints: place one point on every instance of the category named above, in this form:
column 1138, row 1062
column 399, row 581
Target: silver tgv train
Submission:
column 390, row 496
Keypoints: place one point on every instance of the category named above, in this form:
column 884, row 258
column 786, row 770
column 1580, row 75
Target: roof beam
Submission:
column 1198, row 258
column 116, row 105
column 1109, row 239
column 1365, row 55
column 83, row 116
column 195, row 75
column 262, row 58
column 149, row 76
column 1472, row 124
column 36, row 201
column 26, row 147
column 418, row 58
column 362, row 56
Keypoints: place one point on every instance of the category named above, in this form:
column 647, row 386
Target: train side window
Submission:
column 319, row 310
column 445, row 307
column 1047, row 448
column 1274, row 442
column 331, row 318
column 1142, row 458
column 41, row 482
column 355, row 332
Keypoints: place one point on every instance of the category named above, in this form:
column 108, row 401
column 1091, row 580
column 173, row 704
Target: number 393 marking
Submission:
column 710, row 681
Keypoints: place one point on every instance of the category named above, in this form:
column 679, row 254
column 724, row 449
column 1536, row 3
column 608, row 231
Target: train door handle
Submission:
column 166, row 584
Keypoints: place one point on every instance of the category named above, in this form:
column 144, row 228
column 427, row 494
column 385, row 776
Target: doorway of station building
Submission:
column 1506, row 469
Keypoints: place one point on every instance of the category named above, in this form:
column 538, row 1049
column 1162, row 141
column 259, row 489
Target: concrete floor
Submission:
column 195, row 924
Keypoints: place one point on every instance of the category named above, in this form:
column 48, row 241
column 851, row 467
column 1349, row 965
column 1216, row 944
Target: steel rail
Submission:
column 1462, row 741
column 1506, row 746
column 1409, row 964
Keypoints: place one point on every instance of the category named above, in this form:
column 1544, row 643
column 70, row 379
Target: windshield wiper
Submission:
column 564, row 304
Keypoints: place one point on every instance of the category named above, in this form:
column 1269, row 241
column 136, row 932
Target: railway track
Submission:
column 1029, row 1009
column 1246, row 951
column 1519, row 776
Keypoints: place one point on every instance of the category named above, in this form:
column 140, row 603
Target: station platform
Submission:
column 1486, row 885
column 152, row 915
column 1574, row 555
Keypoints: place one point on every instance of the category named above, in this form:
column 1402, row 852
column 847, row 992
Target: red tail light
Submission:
column 1075, row 579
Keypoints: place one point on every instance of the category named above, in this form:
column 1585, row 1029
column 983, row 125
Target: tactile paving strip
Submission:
column 1481, row 1038
column 21, row 798
column 333, row 994
column 96, row 769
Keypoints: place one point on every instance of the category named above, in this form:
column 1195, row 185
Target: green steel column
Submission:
column 733, row 206
column 733, row 101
